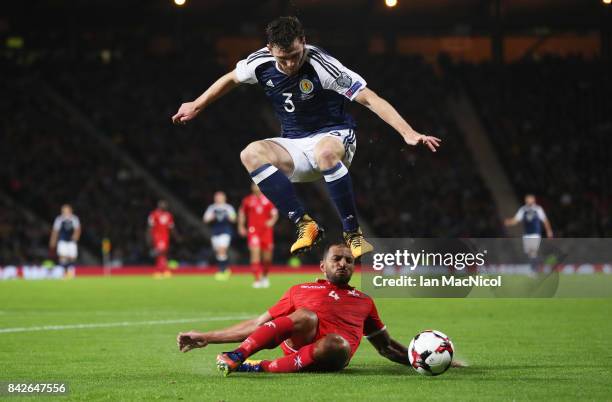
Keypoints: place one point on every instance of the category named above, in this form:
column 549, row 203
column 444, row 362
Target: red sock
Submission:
column 256, row 266
column 266, row 268
column 268, row 336
column 291, row 363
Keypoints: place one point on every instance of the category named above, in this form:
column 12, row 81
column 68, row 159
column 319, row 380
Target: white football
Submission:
column 431, row 352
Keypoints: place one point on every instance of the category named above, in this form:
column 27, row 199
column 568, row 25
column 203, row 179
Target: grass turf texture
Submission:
column 538, row 349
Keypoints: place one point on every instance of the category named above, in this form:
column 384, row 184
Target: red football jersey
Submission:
column 342, row 310
column 258, row 210
column 161, row 222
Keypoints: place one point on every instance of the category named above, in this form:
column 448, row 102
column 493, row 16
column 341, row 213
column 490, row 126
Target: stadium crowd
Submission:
column 401, row 190
column 551, row 121
column 52, row 162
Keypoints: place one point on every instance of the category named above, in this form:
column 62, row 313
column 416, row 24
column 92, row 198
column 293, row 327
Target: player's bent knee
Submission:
column 253, row 155
column 327, row 158
column 336, row 343
column 304, row 320
column 332, row 352
column 329, row 154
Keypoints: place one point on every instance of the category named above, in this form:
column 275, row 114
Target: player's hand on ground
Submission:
column 458, row 364
column 190, row 340
column 186, row 112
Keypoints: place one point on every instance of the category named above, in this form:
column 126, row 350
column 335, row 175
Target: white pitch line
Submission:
column 119, row 324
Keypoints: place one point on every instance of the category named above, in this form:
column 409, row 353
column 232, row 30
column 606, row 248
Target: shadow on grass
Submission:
column 548, row 366
column 525, row 373
column 407, row 371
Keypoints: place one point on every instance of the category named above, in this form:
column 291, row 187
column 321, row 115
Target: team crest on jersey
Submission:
column 344, row 80
column 306, row 86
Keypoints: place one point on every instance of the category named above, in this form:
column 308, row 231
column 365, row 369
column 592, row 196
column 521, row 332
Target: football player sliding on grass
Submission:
column 318, row 326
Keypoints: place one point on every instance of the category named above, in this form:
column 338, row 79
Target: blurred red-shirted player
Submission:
column 161, row 223
column 256, row 219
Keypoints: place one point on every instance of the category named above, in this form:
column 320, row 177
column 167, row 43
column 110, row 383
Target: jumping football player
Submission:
column 222, row 216
column 318, row 326
column 256, row 219
column 308, row 89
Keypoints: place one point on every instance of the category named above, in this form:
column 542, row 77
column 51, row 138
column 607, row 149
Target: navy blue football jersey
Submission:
column 532, row 217
column 65, row 226
column 311, row 101
column 223, row 216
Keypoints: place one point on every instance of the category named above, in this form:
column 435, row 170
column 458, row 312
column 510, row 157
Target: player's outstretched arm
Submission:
column 209, row 215
column 53, row 239
column 389, row 115
column 187, row 341
column 510, row 221
column 273, row 218
column 242, row 223
column 389, row 347
column 77, row 233
column 189, row 110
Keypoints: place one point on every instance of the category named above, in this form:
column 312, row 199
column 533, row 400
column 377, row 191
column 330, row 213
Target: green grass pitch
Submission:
column 538, row 349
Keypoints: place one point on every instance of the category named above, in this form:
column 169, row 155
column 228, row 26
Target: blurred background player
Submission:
column 222, row 216
column 256, row 219
column 533, row 217
column 161, row 223
column 65, row 235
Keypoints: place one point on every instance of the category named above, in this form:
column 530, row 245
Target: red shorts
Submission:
column 261, row 239
column 161, row 245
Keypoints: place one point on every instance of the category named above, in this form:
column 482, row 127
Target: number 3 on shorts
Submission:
column 289, row 106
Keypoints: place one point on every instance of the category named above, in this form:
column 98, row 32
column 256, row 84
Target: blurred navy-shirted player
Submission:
column 308, row 89
column 65, row 235
column 532, row 216
column 222, row 217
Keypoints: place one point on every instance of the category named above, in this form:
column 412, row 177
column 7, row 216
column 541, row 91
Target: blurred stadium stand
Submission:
column 551, row 122
column 128, row 70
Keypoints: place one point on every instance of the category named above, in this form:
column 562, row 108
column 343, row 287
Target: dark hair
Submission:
column 328, row 246
column 283, row 31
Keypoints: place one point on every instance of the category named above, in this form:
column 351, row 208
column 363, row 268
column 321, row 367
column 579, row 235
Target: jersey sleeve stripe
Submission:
column 258, row 53
column 325, row 67
column 326, row 62
column 259, row 57
column 321, row 52
column 319, row 57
